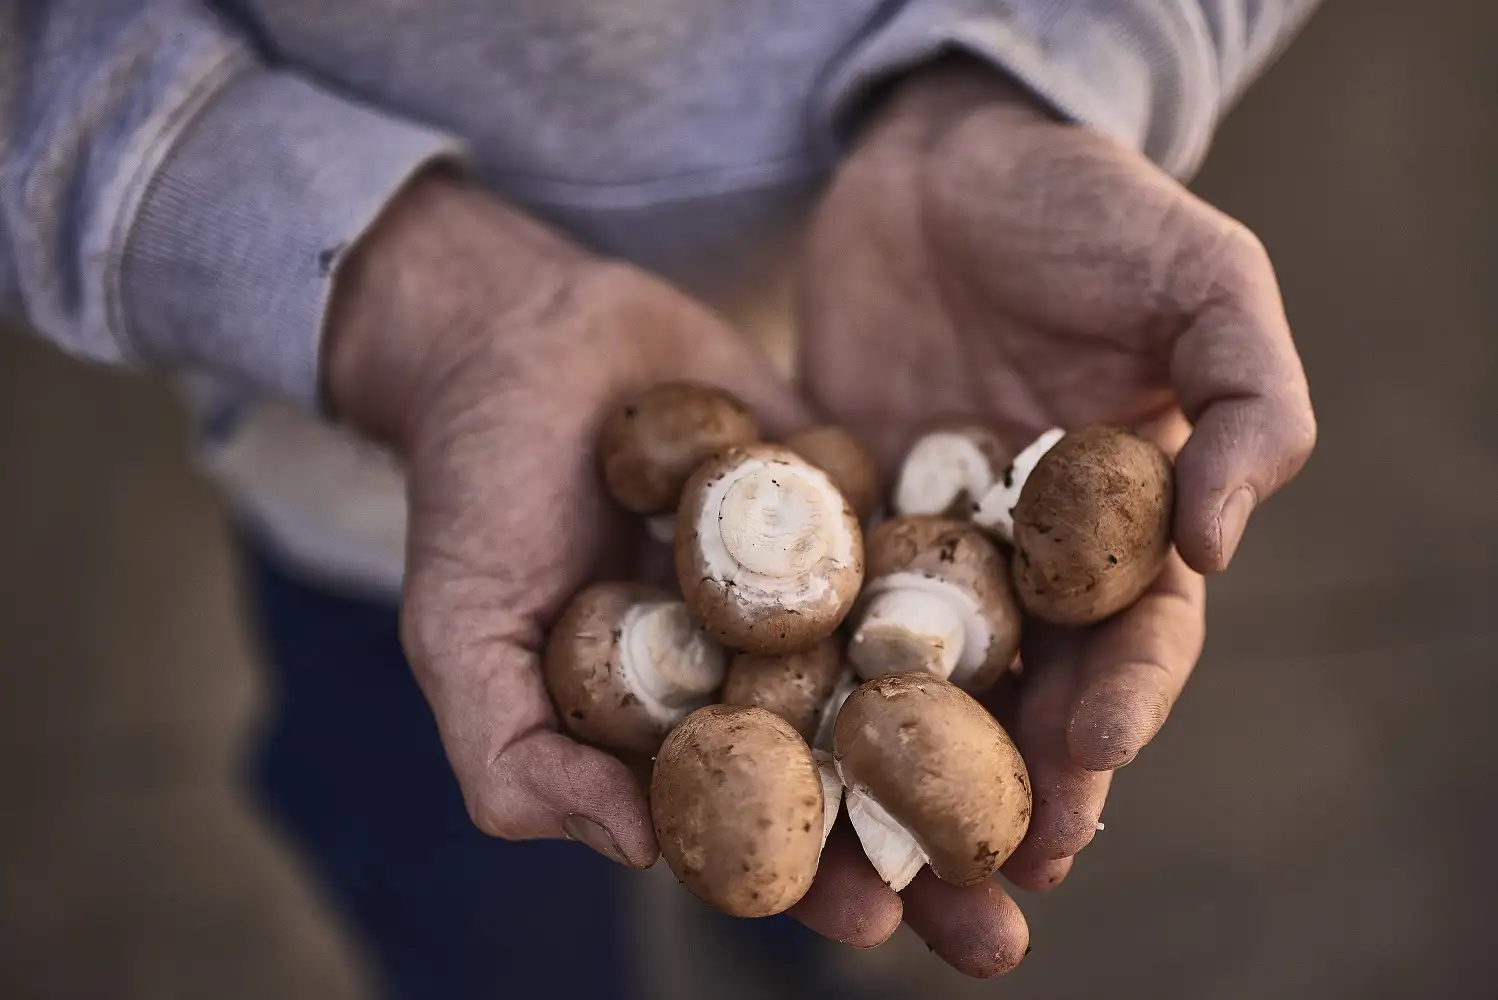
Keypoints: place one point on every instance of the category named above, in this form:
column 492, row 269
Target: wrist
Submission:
column 923, row 104
column 429, row 286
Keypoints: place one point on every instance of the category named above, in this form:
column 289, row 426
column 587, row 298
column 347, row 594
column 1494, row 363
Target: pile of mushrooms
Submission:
column 810, row 659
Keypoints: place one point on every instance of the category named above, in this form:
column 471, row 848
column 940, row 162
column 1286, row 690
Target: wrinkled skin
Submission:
column 974, row 255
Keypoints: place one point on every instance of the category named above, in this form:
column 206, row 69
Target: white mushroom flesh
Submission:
column 995, row 513
column 832, row 791
column 768, row 525
column 667, row 661
column 940, row 468
column 890, row 847
column 662, row 528
column 911, row 621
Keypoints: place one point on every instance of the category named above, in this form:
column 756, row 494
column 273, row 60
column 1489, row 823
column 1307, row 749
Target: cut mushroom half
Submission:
column 948, row 470
column 1088, row 512
column 737, row 801
column 930, row 778
column 938, row 599
column 649, row 446
column 846, row 460
column 625, row 664
column 769, row 555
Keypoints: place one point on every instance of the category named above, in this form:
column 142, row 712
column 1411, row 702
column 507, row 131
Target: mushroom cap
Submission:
column 941, row 766
column 819, row 546
column 582, row 665
column 737, row 801
column 961, row 555
column 948, row 468
column 650, row 444
column 795, row 686
column 847, row 461
column 1092, row 525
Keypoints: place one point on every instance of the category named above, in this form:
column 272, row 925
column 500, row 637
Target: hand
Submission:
column 973, row 256
column 486, row 350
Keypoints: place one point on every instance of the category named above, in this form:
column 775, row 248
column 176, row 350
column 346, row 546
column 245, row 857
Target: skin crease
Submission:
column 973, row 255
column 990, row 260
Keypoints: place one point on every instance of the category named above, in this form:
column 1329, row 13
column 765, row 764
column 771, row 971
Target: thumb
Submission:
column 521, row 779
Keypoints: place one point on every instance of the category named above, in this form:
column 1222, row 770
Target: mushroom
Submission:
column 650, row 444
column 846, row 460
column 938, row 599
column 737, row 801
column 930, row 777
column 1088, row 512
column 625, row 663
column 798, row 686
column 768, row 553
column 806, row 689
column 948, row 469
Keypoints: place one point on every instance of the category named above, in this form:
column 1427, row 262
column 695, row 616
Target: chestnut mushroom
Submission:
column 1088, row 512
column 805, row 689
column 938, row 599
column 625, row 663
column 650, row 444
column 769, row 555
column 931, row 777
column 736, row 797
column 846, row 460
column 949, row 469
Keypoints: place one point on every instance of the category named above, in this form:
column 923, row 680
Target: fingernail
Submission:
column 1231, row 521
column 585, row 831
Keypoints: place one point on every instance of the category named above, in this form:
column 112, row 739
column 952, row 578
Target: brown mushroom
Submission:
column 650, row 444
column 949, row 469
column 795, row 686
column 805, row 689
column 1088, row 513
column 846, row 460
column 769, row 555
column 937, row 599
column 736, row 797
column 625, row 663
column 930, row 777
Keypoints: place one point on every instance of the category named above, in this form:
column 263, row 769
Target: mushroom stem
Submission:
column 662, row 528
column 941, row 468
column 667, row 661
column 995, row 513
column 775, row 522
column 832, row 791
column 903, row 630
column 890, row 847
column 846, row 685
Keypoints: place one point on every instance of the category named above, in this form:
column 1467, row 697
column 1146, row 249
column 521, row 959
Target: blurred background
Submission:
column 1314, row 822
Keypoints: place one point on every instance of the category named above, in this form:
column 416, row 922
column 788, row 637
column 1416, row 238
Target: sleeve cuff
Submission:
column 229, row 264
column 1141, row 73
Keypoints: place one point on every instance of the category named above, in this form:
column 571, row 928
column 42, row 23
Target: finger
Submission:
column 1241, row 383
column 521, row 779
column 1036, row 874
column 978, row 930
column 1067, row 798
column 1134, row 667
column 848, row 902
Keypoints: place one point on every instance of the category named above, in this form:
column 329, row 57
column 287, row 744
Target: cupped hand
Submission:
column 486, row 350
column 973, row 256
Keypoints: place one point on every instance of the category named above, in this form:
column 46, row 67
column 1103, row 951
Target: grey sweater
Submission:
column 178, row 178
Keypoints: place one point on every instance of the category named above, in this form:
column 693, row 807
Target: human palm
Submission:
column 975, row 257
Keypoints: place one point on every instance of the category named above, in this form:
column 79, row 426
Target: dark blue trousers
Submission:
column 350, row 767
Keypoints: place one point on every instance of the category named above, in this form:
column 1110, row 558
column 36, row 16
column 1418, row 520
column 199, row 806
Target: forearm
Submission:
column 1155, row 74
column 166, row 198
